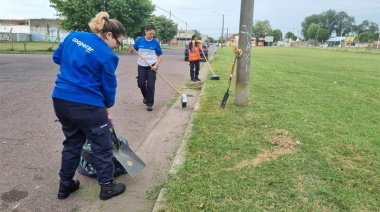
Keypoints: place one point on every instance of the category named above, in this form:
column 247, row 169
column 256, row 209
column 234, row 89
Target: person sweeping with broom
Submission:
column 194, row 58
column 149, row 48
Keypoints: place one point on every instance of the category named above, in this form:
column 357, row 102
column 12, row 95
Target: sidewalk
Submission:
column 162, row 151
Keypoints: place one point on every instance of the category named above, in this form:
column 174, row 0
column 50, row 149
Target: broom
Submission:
column 183, row 96
column 214, row 76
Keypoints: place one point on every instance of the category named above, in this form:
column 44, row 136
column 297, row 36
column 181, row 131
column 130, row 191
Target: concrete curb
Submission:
column 180, row 156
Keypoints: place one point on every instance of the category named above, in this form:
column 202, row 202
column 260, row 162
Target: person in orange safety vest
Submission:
column 194, row 58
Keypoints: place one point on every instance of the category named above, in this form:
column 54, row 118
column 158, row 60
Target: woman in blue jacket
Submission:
column 85, row 87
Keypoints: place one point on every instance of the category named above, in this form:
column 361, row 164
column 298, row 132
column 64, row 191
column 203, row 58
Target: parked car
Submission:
column 205, row 51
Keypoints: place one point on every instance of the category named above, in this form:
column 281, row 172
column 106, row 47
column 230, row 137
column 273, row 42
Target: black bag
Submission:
column 86, row 168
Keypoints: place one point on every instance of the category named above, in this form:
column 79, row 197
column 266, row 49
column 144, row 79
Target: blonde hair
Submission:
column 102, row 23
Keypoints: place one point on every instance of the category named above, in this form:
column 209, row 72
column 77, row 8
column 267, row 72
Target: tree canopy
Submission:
column 339, row 22
column 261, row 28
column 277, row 35
column 76, row 14
column 367, row 36
column 166, row 29
column 290, row 35
column 316, row 32
column 330, row 20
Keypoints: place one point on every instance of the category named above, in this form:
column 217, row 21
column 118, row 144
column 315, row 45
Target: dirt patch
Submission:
column 283, row 142
column 13, row 195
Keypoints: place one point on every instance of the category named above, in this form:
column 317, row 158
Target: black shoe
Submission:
column 197, row 79
column 144, row 100
column 107, row 191
column 149, row 108
column 65, row 191
column 194, row 80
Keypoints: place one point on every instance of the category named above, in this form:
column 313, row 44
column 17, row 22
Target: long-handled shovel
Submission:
column 224, row 101
column 127, row 158
column 183, row 96
column 214, row 76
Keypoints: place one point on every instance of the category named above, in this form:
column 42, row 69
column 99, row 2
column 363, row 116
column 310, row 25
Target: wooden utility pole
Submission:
column 244, row 62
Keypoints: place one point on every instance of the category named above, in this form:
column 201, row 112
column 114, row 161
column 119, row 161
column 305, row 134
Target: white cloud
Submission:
column 19, row 9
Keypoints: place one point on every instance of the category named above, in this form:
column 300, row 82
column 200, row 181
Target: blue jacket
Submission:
column 87, row 70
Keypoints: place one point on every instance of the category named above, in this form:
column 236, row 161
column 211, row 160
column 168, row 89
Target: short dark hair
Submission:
column 150, row 26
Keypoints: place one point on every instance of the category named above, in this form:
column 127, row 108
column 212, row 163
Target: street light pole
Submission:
column 186, row 35
column 221, row 37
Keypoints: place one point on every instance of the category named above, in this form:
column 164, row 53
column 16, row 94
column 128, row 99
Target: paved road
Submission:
column 30, row 139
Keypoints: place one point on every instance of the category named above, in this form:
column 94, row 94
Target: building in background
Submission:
column 49, row 30
column 31, row 30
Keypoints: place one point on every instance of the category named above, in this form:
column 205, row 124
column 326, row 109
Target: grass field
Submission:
column 309, row 139
column 27, row 47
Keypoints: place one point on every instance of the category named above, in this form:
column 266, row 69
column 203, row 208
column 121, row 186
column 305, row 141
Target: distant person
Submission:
column 149, row 48
column 85, row 87
column 194, row 58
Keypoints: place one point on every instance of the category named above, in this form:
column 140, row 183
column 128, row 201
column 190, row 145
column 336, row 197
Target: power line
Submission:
column 188, row 26
column 171, row 14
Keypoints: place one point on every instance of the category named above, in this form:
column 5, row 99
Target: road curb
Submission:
column 180, row 156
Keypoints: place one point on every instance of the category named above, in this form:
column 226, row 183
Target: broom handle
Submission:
column 207, row 61
column 158, row 73
column 168, row 83
column 110, row 119
column 231, row 72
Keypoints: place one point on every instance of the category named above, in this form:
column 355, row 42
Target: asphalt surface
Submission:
column 31, row 139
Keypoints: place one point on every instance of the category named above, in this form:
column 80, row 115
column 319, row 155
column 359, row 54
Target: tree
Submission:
column 368, row 36
column 313, row 19
column 367, row 26
column 210, row 40
column 330, row 20
column 76, row 14
column 277, row 35
column 261, row 29
column 343, row 23
column 316, row 33
column 166, row 29
column 290, row 35
column 323, row 35
column 312, row 32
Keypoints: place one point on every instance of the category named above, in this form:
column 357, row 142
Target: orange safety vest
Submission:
column 195, row 55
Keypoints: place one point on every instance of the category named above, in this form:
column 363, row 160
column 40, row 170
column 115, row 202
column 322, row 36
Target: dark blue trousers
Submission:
column 146, row 81
column 194, row 69
column 80, row 121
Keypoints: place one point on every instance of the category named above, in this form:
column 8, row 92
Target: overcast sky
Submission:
column 204, row 15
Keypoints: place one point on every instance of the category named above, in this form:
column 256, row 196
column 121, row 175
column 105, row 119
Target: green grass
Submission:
column 307, row 141
column 27, row 47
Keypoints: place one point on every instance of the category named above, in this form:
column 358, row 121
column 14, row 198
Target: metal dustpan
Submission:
column 127, row 158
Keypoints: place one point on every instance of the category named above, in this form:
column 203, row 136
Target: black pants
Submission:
column 146, row 81
column 80, row 121
column 194, row 73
